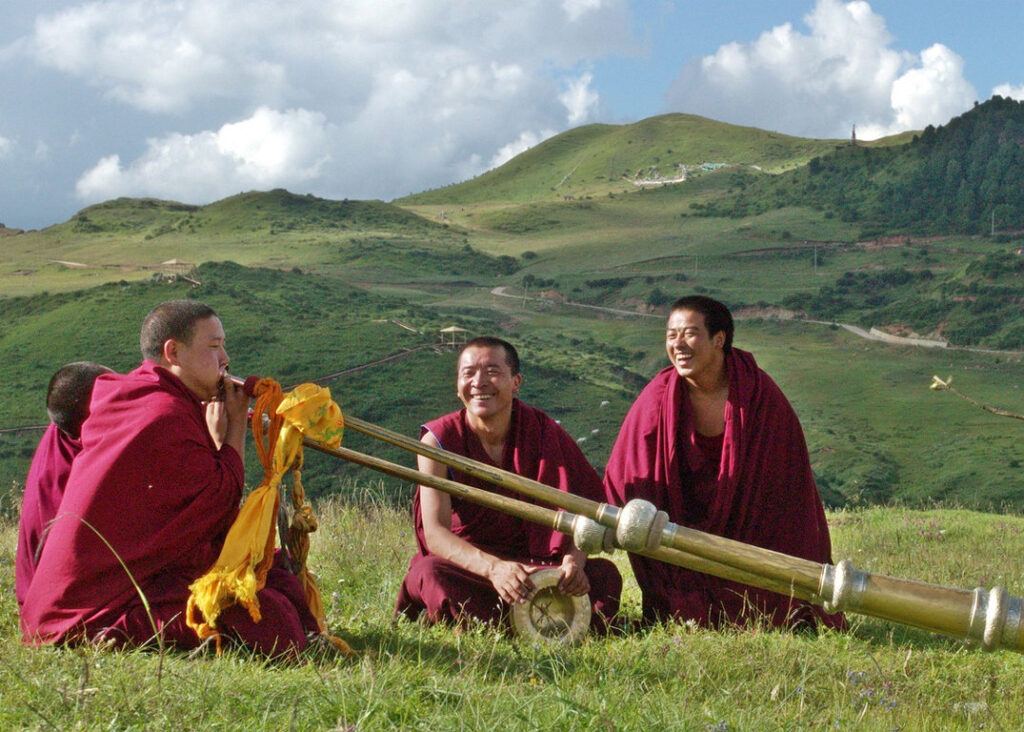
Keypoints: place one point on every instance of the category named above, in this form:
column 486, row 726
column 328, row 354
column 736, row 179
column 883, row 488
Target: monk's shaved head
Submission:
column 67, row 396
column 175, row 320
column 717, row 318
column 511, row 354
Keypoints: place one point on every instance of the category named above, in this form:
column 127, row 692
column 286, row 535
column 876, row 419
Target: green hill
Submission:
column 360, row 289
column 596, row 159
column 131, row 239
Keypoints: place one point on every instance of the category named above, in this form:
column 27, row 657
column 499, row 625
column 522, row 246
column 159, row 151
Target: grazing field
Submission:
column 877, row 675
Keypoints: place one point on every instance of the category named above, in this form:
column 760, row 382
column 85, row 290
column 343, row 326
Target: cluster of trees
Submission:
column 963, row 177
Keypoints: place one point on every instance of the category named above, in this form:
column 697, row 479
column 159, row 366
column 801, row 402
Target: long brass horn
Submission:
column 989, row 618
column 561, row 521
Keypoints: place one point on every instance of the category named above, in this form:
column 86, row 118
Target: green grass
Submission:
column 875, row 431
column 600, row 159
column 878, row 675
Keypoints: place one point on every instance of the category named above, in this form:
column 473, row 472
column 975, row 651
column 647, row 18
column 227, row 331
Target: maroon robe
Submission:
column 44, row 489
column 148, row 502
column 758, row 490
column 537, row 448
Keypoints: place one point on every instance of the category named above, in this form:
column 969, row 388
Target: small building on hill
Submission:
column 453, row 337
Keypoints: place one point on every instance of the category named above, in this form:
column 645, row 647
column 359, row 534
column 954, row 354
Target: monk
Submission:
column 474, row 562
column 712, row 441
column 67, row 405
column 149, row 501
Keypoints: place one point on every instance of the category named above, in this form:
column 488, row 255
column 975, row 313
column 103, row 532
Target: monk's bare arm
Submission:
column 511, row 580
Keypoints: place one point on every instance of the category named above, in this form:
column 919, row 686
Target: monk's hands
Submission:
column 226, row 416
column 574, row 580
column 511, row 580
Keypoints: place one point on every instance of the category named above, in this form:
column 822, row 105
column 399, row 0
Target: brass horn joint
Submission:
column 641, row 526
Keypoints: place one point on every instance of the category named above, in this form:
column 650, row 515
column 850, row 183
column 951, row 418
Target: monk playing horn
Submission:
column 475, row 562
column 149, row 500
column 713, row 442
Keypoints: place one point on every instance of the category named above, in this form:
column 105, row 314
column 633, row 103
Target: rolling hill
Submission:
column 595, row 159
column 358, row 290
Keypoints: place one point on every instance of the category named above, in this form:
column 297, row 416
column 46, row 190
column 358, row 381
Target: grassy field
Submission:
column 875, row 431
column 877, row 675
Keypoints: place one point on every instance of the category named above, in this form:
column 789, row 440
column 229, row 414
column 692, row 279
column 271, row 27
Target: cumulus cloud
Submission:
column 843, row 72
column 932, row 92
column 1011, row 91
column 579, row 99
column 267, row 150
column 416, row 94
column 524, row 142
column 5, row 147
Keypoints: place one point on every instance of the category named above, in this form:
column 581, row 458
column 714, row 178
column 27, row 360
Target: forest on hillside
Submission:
column 959, row 178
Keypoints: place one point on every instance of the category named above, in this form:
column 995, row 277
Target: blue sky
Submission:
column 195, row 100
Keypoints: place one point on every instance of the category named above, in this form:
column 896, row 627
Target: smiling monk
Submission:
column 713, row 442
column 149, row 500
column 474, row 562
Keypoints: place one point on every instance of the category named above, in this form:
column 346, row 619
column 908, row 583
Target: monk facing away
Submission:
column 67, row 404
column 474, row 562
column 712, row 441
column 149, row 500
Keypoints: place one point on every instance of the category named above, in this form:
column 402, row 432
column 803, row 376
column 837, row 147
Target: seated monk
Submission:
column 67, row 404
column 150, row 499
column 475, row 562
column 712, row 441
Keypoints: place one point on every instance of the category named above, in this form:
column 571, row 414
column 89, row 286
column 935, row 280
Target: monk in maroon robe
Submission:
column 713, row 442
column 67, row 404
column 475, row 562
column 150, row 499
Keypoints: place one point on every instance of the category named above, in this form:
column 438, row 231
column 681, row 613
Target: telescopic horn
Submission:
column 989, row 618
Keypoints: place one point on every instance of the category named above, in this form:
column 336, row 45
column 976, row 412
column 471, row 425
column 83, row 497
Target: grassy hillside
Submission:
column 130, row 239
column 875, row 431
column 293, row 327
column 324, row 287
column 597, row 159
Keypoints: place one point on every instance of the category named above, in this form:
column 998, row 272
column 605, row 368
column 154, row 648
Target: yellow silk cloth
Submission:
column 240, row 571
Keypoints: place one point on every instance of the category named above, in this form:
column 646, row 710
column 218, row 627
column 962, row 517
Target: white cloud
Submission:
column 524, row 142
column 843, row 72
column 269, row 149
column 417, row 94
column 1010, row 91
column 575, row 9
column 159, row 56
column 931, row 93
column 579, row 99
column 5, row 147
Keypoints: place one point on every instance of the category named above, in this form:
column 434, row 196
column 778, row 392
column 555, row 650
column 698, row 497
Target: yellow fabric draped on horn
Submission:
column 241, row 569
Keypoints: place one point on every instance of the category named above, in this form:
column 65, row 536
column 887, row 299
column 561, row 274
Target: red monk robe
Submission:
column 149, row 490
column 44, row 489
column 754, row 485
column 537, row 448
